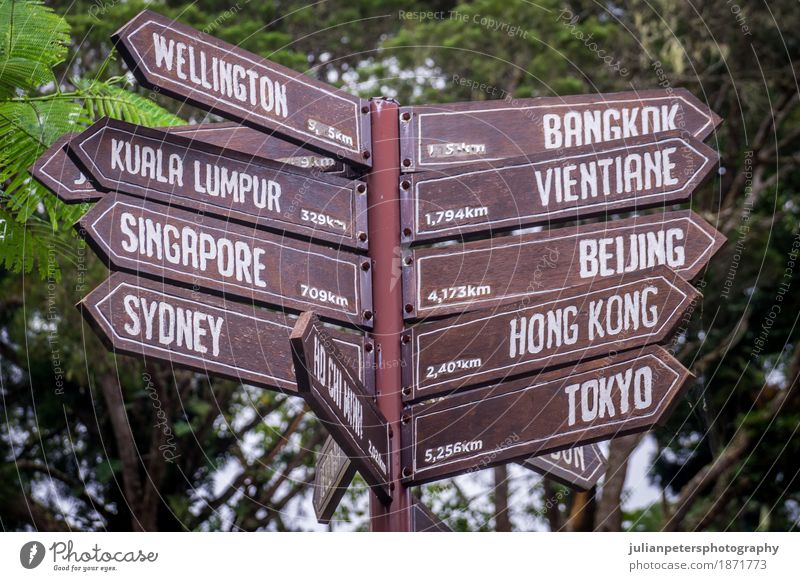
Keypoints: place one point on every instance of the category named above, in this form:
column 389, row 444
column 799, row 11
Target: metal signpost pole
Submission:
column 384, row 250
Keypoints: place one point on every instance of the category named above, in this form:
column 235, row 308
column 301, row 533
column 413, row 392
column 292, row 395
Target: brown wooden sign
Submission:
column 56, row 171
column 450, row 134
column 574, row 406
column 341, row 402
column 193, row 250
column 184, row 327
column 561, row 327
column 423, row 520
column 190, row 65
column 580, row 467
column 552, row 186
column 452, row 279
column 332, row 476
column 195, row 175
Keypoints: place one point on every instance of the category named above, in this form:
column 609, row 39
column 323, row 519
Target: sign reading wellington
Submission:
column 205, row 178
column 580, row 467
column 187, row 64
column 341, row 402
column 452, row 279
column 546, row 187
column 557, row 328
column 437, row 136
column 203, row 332
column 193, row 250
column 574, row 406
column 332, row 476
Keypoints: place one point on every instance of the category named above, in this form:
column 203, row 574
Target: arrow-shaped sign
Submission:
column 543, row 188
column 561, row 327
column 200, row 252
column 192, row 66
column 450, row 134
column 574, row 406
column 341, row 402
column 332, row 476
column 452, row 279
column 56, row 171
column 423, row 519
column 185, row 172
column 205, row 333
column 580, row 467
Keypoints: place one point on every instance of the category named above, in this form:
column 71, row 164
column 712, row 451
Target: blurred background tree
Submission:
column 81, row 442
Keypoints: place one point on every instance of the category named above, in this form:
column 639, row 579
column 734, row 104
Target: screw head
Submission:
column 406, row 391
column 408, row 260
column 406, row 232
column 365, row 265
column 405, row 184
column 409, row 308
column 406, row 162
column 362, row 188
column 367, row 315
column 365, row 109
column 406, row 116
column 366, row 154
column 405, row 339
column 369, row 347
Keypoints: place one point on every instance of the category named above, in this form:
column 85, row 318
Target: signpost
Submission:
column 580, row 467
column 57, row 172
column 452, row 279
column 208, row 334
column 451, row 134
column 424, row 521
column 341, row 402
column 195, row 175
column 551, row 186
column 191, row 66
column 332, row 476
column 194, row 250
column 574, row 406
column 561, row 327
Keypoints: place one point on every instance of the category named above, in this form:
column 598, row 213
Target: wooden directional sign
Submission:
column 56, row 171
column 452, row 279
column 341, row 402
column 190, row 65
column 193, row 250
column 205, row 333
column 188, row 173
column 332, row 476
column 441, row 135
column 552, row 186
column 574, row 406
column 573, row 324
column 580, row 467
column 423, row 520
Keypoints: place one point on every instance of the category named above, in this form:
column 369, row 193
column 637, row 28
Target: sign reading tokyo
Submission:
column 341, row 402
column 204, row 333
column 190, row 65
column 194, row 250
column 188, row 173
column 568, row 325
column 436, row 136
column 574, row 406
column 580, row 467
column 332, row 476
column 542, row 188
column 452, row 279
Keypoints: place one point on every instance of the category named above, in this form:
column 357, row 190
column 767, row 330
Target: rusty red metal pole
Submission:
column 387, row 301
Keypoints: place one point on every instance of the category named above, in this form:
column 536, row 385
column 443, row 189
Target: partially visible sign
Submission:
column 580, row 467
column 341, row 402
column 561, row 327
column 452, row 279
column 573, row 406
column 193, row 250
column 450, row 134
column 192, row 66
column 332, row 476
column 58, row 173
column 423, row 520
column 144, row 318
column 553, row 186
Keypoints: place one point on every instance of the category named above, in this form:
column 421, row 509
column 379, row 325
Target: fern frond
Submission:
column 108, row 98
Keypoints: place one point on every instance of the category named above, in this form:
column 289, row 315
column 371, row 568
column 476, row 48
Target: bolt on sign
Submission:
column 485, row 273
column 332, row 476
column 423, row 520
column 187, row 173
column 341, row 402
column 441, row 135
column 573, row 406
column 56, row 171
column 192, row 66
column 557, row 328
column 193, row 250
column 542, row 188
column 205, row 333
column 580, row 467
